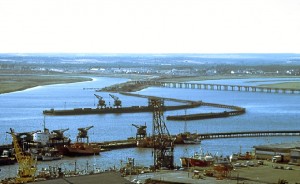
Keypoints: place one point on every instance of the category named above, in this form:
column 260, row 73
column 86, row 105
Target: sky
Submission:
column 149, row 26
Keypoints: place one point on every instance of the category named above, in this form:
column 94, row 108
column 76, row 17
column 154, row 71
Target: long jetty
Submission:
column 249, row 134
column 111, row 145
column 219, row 87
column 131, row 143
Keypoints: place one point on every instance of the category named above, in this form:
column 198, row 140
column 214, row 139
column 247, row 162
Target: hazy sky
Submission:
column 150, row 26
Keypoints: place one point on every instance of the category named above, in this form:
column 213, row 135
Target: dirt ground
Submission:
column 268, row 173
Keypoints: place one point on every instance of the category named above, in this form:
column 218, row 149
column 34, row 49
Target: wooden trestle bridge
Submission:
column 220, row 87
column 250, row 134
column 110, row 145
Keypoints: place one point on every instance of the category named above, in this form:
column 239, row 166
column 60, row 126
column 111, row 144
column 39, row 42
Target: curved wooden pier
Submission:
column 234, row 112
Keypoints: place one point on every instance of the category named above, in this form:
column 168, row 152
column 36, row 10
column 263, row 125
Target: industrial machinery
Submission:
column 101, row 102
column 25, row 136
column 82, row 134
column 117, row 102
column 27, row 164
column 58, row 135
column 141, row 131
column 163, row 142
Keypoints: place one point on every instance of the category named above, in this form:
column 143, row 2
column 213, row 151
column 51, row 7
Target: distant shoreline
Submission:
column 12, row 83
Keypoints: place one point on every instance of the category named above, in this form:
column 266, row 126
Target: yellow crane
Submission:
column 27, row 164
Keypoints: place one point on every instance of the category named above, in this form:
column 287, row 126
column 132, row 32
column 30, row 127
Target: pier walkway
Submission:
column 220, row 87
column 250, row 134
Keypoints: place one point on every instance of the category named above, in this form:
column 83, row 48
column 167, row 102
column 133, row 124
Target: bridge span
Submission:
column 220, row 87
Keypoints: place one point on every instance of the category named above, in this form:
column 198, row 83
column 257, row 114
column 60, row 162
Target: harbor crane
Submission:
column 59, row 134
column 101, row 102
column 163, row 142
column 117, row 102
column 82, row 134
column 27, row 164
column 141, row 131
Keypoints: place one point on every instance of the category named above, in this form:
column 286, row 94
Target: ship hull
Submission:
column 194, row 162
column 81, row 150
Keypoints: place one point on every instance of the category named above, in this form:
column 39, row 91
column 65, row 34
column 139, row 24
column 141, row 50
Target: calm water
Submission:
column 23, row 112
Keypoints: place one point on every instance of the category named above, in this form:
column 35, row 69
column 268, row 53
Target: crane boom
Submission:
column 27, row 164
column 99, row 97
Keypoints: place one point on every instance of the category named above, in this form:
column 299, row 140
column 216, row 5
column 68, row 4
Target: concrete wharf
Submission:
column 220, row 87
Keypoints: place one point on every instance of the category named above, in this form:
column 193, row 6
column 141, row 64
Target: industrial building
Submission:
column 289, row 152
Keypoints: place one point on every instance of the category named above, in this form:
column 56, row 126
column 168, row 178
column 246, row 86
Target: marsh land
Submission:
column 19, row 72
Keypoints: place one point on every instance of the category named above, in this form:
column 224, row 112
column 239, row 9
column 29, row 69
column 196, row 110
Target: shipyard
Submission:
column 150, row 129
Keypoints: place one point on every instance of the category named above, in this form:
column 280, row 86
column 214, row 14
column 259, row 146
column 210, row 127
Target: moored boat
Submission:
column 81, row 149
column 192, row 140
column 197, row 160
column 52, row 154
column 6, row 158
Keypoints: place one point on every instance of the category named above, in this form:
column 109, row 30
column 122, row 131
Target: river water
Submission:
column 22, row 111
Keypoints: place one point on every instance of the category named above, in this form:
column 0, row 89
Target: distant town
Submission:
column 160, row 65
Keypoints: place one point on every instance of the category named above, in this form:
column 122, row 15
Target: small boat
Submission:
column 191, row 140
column 52, row 154
column 6, row 158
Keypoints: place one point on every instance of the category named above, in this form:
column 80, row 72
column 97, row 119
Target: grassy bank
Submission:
column 11, row 83
column 286, row 85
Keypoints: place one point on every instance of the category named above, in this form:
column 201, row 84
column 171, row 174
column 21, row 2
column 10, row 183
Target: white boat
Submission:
column 191, row 140
column 49, row 157
column 51, row 154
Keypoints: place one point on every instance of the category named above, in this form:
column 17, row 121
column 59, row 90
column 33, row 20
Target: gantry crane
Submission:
column 117, row 102
column 162, row 141
column 27, row 164
column 101, row 102
column 59, row 134
column 141, row 131
column 82, row 134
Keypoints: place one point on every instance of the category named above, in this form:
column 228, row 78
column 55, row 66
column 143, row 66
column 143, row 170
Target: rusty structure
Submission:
column 163, row 144
column 83, row 134
column 101, row 102
column 117, row 101
column 141, row 131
